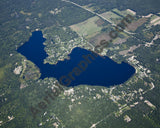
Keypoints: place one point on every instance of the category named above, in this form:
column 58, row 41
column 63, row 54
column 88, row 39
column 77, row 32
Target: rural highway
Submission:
column 99, row 15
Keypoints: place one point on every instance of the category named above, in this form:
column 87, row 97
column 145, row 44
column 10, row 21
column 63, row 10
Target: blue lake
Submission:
column 83, row 67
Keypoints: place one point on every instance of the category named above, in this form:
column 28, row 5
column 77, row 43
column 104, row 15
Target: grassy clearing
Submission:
column 112, row 16
column 154, row 17
column 154, row 20
column 87, row 28
column 123, row 13
column 89, row 7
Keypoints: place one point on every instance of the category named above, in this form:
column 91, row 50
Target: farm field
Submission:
column 87, row 28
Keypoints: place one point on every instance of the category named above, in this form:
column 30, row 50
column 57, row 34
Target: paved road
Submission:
column 99, row 15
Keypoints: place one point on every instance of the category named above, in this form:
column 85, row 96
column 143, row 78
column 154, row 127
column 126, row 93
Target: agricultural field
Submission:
column 112, row 17
column 124, row 12
column 155, row 20
column 87, row 28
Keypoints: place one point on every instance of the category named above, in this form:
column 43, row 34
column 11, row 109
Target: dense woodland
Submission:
column 141, row 7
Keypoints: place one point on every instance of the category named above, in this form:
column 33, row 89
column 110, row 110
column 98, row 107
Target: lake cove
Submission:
column 83, row 67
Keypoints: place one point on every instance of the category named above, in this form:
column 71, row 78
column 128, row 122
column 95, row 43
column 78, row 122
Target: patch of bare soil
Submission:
column 125, row 52
column 135, row 24
column 120, row 41
column 99, row 22
column 98, row 38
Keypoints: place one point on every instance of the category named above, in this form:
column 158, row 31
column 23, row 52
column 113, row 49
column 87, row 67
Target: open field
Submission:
column 87, row 28
column 112, row 17
column 90, row 7
column 135, row 24
column 97, row 39
column 155, row 20
column 125, row 12
column 154, row 17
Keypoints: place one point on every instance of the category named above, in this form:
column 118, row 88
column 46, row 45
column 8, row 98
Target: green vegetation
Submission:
column 87, row 28
column 84, row 105
column 136, row 5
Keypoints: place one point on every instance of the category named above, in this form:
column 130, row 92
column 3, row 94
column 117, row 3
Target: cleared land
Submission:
column 155, row 20
column 97, row 39
column 112, row 17
column 125, row 12
column 135, row 24
column 87, row 28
